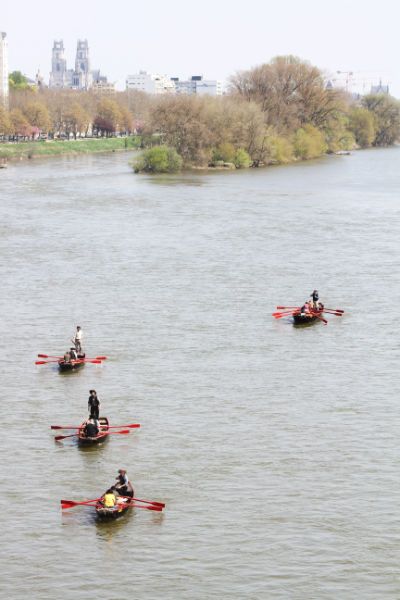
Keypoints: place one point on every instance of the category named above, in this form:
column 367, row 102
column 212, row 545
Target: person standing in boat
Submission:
column 93, row 405
column 314, row 299
column 123, row 485
column 77, row 339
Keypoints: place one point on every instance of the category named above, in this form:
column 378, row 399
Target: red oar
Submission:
column 61, row 357
column 285, row 315
column 70, row 503
column 320, row 318
column 161, row 504
column 62, row 437
column 131, row 426
column 83, row 360
column 285, row 312
column 339, row 310
column 284, row 307
column 45, row 362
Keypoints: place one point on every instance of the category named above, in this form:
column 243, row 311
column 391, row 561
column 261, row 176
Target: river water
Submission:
column 275, row 448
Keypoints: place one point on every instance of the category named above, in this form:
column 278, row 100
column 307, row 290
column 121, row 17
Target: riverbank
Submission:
column 26, row 150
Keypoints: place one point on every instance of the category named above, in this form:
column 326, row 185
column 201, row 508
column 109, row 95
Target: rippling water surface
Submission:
column 275, row 448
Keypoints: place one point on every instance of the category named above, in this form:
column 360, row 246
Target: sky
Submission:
column 213, row 38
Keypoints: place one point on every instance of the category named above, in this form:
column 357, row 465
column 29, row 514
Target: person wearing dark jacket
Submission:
column 123, row 485
column 93, row 405
column 91, row 428
column 315, row 298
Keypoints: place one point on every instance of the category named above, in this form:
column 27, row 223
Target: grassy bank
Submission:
column 58, row 147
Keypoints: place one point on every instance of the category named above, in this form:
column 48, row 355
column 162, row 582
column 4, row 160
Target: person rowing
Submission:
column 73, row 353
column 306, row 308
column 91, row 428
column 77, row 339
column 123, row 485
column 93, row 405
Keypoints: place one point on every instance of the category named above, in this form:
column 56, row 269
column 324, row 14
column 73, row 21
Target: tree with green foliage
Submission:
column 17, row 81
column 279, row 150
column 159, row 159
column 242, row 159
column 224, row 152
column 386, row 111
column 308, row 142
column 362, row 125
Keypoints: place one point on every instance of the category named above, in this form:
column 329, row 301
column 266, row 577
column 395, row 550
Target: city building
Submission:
column 198, row 85
column 3, row 69
column 103, row 88
column 80, row 78
column 150, row 83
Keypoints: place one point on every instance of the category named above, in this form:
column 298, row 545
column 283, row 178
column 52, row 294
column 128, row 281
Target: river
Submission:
column 275, row 448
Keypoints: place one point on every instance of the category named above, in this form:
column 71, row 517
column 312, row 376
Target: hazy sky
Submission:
column 211, row 37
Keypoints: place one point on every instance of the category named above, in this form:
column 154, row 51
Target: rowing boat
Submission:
column 85, row 440
column 113, row 512
column 71, row 365
column 301, row 318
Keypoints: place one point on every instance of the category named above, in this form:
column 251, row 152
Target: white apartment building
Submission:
column 3, row 69
column 197, row 85
column 150, row 83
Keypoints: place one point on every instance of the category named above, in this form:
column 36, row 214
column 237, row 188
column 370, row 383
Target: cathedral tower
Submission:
column 58, row 75
column 82, row 78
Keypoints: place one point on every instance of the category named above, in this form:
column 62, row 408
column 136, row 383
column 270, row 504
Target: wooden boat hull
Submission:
column 304, row 318
column 84, row 440
column 72, row 365
column 115, row 512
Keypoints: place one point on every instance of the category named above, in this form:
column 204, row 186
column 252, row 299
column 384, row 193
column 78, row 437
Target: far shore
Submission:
column 46, row 148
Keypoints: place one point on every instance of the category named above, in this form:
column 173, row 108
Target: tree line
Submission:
column 274, row 113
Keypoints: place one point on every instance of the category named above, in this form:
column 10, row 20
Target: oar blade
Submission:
column 156, row 508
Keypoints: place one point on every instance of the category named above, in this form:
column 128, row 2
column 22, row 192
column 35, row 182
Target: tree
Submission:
column 38, row 115
column 308, row 142
column 386, row 111
column 17, row 80
column 108, row 117
column 180, row 122
column 242, row 159
column 20, row 124
column 5, row 124
column 289, row 91
column 126, row 120
column 224, row 152
column 159, row 159
column 362, row 124
column 76, row 120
